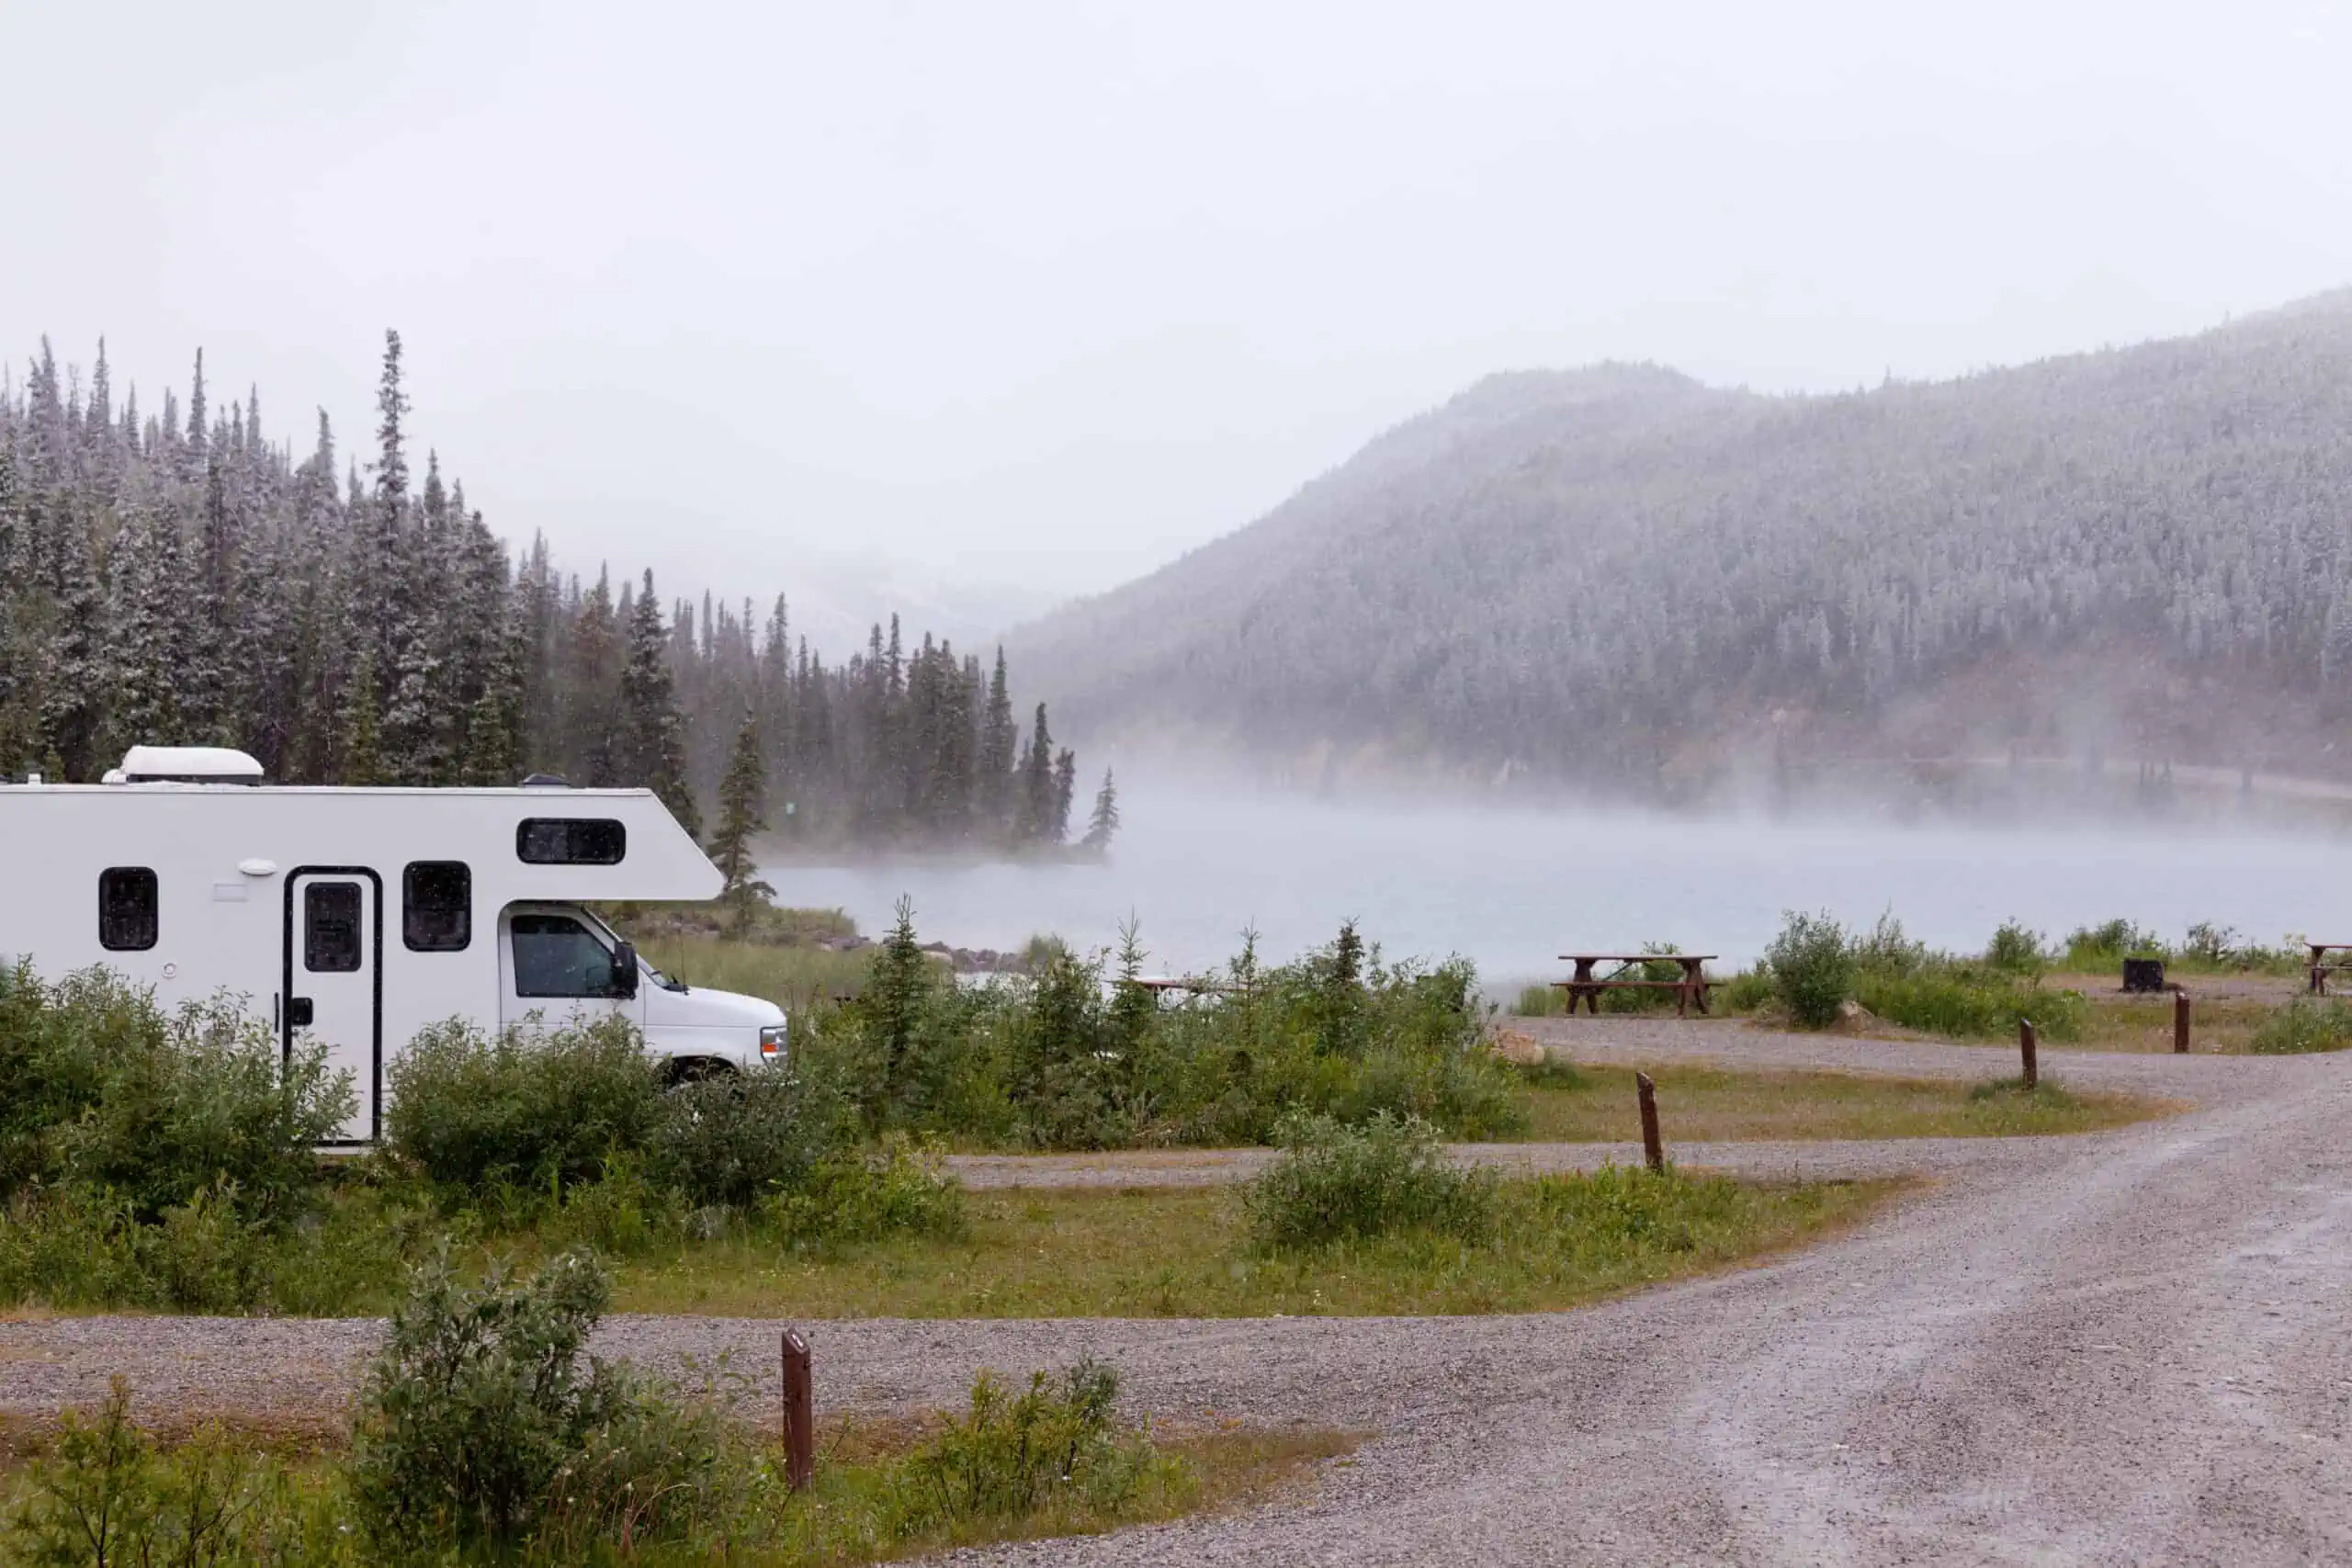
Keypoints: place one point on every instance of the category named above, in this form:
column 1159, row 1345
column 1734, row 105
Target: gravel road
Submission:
column 2118, row 1349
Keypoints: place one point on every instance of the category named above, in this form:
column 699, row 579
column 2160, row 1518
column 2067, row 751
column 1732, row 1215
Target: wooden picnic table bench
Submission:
column 1586, row 989
column 2321, row 967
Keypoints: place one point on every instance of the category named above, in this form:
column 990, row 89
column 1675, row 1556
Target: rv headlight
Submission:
column 772, row 1040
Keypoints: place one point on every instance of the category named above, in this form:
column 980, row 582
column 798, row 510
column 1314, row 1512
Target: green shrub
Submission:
column 1551, row 1071
column 103, row 1493
column 482, row 1418
column 471, row 1111
column 2093, row 947
column 101, row 1088
column 1336, row 1182
column 1012, row 1455
column 2307, row 1023
column 1812, row 967
column 730, row 1138
column 1887, row 949
column 1745, row 991
column 2015, row 949
column 897, row 1190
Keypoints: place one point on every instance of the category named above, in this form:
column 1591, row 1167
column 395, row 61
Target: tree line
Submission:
column 178, row 577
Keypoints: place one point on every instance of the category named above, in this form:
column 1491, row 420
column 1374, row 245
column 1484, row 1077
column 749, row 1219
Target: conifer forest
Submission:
column 173, row 574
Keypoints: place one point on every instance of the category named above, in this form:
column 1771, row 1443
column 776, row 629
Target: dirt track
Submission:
column 2119, row 1348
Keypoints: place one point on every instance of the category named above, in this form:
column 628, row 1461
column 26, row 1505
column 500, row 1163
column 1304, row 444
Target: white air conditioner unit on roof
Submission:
column 187, row 764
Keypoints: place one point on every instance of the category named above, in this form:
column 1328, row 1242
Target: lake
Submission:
column 1511, row 887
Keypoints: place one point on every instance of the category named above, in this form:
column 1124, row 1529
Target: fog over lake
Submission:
column 1511, row 889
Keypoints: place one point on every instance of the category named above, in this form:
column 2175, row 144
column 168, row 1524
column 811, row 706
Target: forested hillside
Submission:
column 1616, row 575
column 178, row 576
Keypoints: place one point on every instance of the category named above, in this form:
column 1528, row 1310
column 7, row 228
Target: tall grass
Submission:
column 2304, row 1025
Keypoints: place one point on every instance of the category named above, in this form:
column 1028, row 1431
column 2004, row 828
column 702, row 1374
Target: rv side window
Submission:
column 331, row 927
column 438, row 906
column 570, row 841
column 127, row 920
column 555, row 955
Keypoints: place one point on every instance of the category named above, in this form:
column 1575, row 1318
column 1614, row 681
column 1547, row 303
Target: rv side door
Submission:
column 558, row 967
column 334, row 952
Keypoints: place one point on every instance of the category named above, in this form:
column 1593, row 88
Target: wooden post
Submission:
column 800, row 1413
column 2026, row 1043
column 1653, row 1147
column 2180, row 1024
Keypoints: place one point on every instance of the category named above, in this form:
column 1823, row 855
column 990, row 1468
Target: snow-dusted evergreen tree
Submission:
column 742, row 813
column 1065, row 791
column 649, row 739
column 149, row 632
column 1104, row 826
column 358, row 735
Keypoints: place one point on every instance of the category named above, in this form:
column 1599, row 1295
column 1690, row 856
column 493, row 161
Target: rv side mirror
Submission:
column 624, row 970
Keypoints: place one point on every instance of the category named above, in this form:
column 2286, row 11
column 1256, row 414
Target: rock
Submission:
column 1516, row 1048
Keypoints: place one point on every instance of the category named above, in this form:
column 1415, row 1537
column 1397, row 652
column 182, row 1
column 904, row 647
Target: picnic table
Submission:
column 1585, row 988
column 2321, row 967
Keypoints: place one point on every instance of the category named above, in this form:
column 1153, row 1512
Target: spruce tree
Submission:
column 1035, row 819
column 1104, row 824
column 1064, row 790
column 743, row 813
column 359, row 732
column 650, row 741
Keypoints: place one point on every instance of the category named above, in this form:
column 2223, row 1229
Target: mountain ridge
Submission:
column 1582, row 574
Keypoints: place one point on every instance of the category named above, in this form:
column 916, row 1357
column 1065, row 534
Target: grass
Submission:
column 1183, row 1253
column 1717, row 1104
column 797, row 979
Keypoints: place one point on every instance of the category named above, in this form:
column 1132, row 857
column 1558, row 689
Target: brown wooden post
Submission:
column 2180, row 1024
column 1653, row 1147
column 800, row 1413
column 2026, row 1044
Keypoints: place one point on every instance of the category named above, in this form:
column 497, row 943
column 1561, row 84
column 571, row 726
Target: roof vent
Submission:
column 546, row 781
column 188, row 764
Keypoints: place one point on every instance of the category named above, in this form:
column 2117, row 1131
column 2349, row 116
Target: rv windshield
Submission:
column 644, row 966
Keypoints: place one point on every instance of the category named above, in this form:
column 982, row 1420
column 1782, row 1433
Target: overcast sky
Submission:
column 1041, row 294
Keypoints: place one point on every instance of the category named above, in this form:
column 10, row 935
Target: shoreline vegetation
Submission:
column 1818, row 974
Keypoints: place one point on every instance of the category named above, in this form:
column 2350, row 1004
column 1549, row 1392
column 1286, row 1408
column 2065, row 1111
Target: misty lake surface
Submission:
column 1512, row 889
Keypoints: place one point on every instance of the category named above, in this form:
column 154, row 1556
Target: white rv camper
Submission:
column 361, row 915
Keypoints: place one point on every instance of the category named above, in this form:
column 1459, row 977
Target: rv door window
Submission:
column 570, row 841
column 331, row 927
column 127, row 920
column 438, row 906
column 555, row 955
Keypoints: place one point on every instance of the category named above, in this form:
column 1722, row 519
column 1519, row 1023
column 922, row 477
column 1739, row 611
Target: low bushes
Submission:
column 471, row 1111
column 1336, row 1182
column 572, row 1135
column 485, row 1433
column 1812, row 968
column 101, row 1088
column 2306, row 1023
column 1969, row 1001
column 481, row 1420
column 1815, row 966
column 160, row 1159
column 1076, row 1055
